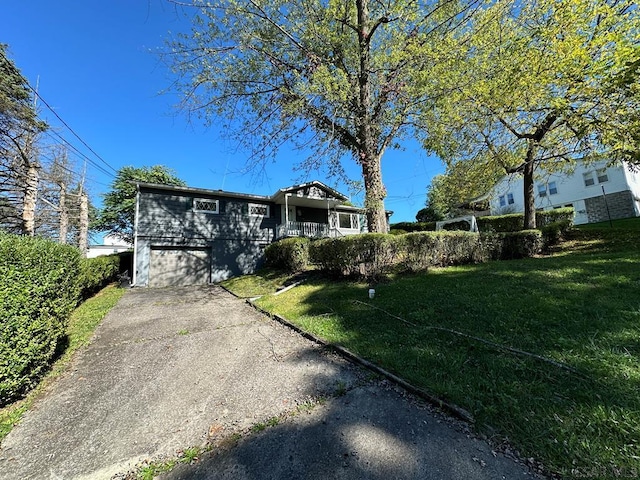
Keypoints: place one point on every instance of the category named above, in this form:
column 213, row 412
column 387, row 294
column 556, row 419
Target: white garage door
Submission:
column 176, row 266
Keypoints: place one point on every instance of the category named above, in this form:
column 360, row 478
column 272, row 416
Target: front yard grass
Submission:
column 574, row 406
column 263, row 282
column 82, row 324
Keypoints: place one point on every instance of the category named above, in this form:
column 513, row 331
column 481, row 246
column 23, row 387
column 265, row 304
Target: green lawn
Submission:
column 265, row 281
column 82, row 324
column 575, row 405
column 621, row 224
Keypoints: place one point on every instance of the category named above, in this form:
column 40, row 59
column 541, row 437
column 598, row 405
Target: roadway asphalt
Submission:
column 174, row 368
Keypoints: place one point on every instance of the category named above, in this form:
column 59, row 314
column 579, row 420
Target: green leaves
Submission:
column 530, row 83
column 334, row 78
column 118, row 211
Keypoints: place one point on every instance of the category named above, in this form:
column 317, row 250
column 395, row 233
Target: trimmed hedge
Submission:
column 414, row 226
column 373, row 255
column 367, row 254
column 553, row 233
column 290, row 254
column 561, row 215
column 512, row 245
column 41, row 282
column 38, row 290
column 97, row 273
column 514, row 222
column 422, row 250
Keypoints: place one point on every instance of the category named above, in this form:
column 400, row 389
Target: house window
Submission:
column 206, row 205
column 502, row 200
column 542, row 190
column 347, row 220
column 510, row 200
column 553, row 188
column 602, row 175
column 258, row 210
column 588, row 179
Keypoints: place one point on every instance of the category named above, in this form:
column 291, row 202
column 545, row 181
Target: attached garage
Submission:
column 172, row 266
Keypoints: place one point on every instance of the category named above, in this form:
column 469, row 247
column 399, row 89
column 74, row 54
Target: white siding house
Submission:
column 110, row 245
column 596, row 191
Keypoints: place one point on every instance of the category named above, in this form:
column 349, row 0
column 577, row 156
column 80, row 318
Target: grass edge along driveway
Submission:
column 571, row 399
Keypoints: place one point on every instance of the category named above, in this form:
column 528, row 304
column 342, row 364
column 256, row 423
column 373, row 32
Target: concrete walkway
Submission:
column 174, row 368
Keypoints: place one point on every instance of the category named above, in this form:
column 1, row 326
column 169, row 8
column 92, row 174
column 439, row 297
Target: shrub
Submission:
column 38, row 291
column 439, row 249
column 554, row 232
column 96, row 273
column 415, row 226
column 397, row 231
column 368, row 254
column 461, row 225
column 512, row 222
column 290, row 254
column 512, row 245
column 547, row 217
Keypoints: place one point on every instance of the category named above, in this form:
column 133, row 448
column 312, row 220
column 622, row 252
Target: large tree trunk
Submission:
column 529, row 195
column 29, row 202
column 64, row 216
column 374, row 196
column 368, row 155
column 84, row 225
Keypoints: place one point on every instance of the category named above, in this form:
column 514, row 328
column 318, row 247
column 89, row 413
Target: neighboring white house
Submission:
column 110, row 244
column 596, row 191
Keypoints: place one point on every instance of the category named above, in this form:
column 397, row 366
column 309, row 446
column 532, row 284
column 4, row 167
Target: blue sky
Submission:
column 97, row 66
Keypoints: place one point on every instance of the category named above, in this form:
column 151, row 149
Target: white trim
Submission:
column 259, row 206
column 202, row 202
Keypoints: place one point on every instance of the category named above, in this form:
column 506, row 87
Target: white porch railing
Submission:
column 304, row 229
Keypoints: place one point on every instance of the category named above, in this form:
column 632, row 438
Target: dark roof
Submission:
column 206, row 191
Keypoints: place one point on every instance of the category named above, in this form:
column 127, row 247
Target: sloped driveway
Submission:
column 178, row 367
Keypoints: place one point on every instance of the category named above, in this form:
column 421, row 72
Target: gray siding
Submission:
column 235, row 238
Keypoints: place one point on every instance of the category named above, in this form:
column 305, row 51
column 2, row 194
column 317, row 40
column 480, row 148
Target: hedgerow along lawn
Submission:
column 576, row 408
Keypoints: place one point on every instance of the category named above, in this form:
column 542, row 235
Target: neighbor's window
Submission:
column 347, row 220
column 206, row 205
column 602, row 175
column 553, row 188
column 588, row 179
column 502, row 200
column 510, row 200
column 258, row 210
column 542, row 190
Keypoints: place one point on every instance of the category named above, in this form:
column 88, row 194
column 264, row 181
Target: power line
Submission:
column 69, row 128
column 79, row 153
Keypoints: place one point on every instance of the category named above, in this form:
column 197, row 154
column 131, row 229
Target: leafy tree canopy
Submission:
column 540, row 83
column 455, row 191
column 334, row 77
column 118, row 211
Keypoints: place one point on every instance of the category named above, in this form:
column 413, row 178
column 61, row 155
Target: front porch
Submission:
column 306, row 229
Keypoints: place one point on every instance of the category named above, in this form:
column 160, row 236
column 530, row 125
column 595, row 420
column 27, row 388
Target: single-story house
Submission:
column 188, row 236
column 110, row 245
column 596, row 192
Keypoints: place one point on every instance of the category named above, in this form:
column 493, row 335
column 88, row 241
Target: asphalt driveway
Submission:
column 174, row 368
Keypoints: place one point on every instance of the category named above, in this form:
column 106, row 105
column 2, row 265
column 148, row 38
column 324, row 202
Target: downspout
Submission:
column 135, row 238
